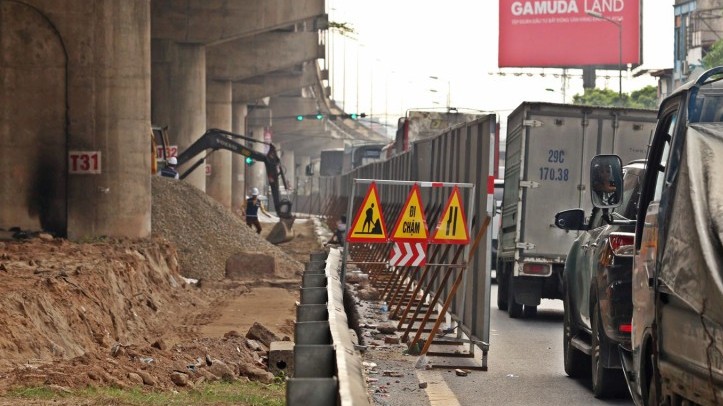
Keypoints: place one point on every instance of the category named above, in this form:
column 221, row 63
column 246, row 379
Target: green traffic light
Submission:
column 353, row 116
column 299, row 118
column 319, row 116
column 249, row 161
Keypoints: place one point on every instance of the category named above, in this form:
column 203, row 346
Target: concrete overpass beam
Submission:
column 218, row 115
column 248, row 57
column 274, row 83
column 208, row 22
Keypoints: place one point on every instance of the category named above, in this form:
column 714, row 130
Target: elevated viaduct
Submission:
column 83, row 81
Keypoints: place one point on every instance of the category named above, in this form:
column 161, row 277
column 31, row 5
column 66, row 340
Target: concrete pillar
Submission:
column 179, row 97
column 74, row 102
column 238, row 181
column 218, row 115
column 109, row 93
column 33, row 135
column 304, row 180
column 257, row 119
column 287, row 163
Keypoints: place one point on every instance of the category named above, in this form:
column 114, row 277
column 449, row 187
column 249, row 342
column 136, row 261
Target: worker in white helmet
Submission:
column 169, row 170
column 253, row 204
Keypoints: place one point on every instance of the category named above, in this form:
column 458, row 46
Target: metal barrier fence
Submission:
column 462, row 154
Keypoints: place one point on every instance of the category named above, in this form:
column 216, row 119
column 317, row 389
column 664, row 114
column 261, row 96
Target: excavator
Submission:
column 214, row 139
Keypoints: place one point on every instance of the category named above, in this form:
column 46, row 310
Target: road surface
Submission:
column 525, row 367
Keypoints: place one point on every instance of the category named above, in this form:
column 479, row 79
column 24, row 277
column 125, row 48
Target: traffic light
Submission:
column 317, row 116
column 249, row 161
column 321, row 116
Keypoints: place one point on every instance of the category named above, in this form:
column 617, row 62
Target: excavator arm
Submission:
column 214, row 139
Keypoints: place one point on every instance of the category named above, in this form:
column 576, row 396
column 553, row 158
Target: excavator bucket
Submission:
column 281, row 232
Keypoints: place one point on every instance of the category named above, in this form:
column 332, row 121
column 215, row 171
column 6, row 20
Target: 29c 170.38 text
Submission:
column 556, row 174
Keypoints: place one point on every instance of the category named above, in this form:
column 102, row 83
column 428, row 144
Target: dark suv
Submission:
column 597, row 285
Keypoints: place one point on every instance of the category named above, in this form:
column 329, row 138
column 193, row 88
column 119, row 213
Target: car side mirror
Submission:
column 606, row 181
column 573, row 219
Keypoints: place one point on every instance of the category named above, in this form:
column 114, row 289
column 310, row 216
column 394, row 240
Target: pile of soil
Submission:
column 206, row 234
column 121, row 313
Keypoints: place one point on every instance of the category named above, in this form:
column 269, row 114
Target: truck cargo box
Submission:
column 548, row 152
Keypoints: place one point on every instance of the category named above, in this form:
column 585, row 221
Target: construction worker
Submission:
column 253, row 204
column 339, row 233
column 169, row 170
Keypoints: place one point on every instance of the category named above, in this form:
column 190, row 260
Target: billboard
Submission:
column 561, row 33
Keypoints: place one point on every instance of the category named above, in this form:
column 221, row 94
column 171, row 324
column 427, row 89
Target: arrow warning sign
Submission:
column 408, row 254
column 411, row 225
column 452, row 226
column 368, row 225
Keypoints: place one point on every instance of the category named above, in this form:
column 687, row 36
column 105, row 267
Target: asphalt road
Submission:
column 525, row 367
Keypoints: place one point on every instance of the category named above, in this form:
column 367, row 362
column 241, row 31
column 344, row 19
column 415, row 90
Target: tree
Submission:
column 342, row 28
column 714, row 56
column 597, row 97
column 645, row 98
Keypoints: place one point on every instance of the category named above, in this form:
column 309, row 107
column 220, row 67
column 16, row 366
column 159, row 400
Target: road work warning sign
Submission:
column 452, row 226
column 411, row 225
column 368, row 224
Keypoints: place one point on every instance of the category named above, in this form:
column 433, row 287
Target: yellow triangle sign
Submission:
column 452, row 226
column 368, row 224
column 411, row 225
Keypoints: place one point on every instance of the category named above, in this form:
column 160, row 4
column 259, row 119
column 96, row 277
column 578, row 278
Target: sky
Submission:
column 428, row 54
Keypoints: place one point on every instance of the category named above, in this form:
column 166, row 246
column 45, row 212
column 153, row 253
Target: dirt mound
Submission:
column 62, row 300
column 116, row 312
column 206, row 234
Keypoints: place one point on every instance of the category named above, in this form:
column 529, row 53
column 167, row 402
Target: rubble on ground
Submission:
column 121, row 313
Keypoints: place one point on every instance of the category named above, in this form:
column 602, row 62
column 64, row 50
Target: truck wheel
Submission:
column 606, row 382
column 514, row 309
column 576, row 363
column 530, row 311
column 501, row 289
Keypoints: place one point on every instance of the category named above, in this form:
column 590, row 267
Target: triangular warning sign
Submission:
column 452, row 226
column 411, row 225
column 368, row 225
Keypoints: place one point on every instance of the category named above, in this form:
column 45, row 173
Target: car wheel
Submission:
column 501, row 289
column 514, row 309
column 606, row 382
column 530, row 311
column 576, row 363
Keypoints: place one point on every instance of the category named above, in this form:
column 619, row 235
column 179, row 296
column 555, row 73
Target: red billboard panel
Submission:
column 562, row 33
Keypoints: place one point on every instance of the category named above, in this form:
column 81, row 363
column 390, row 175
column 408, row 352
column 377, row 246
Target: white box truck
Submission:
column 548, row 151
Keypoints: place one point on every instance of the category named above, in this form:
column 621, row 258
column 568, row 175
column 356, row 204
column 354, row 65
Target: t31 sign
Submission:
column 84, row 162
